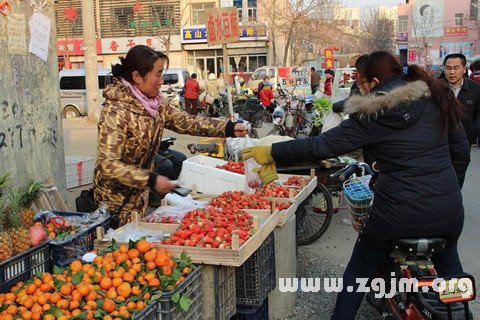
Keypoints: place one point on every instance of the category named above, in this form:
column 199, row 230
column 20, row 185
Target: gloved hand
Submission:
column 261, row 154
column 267, row 172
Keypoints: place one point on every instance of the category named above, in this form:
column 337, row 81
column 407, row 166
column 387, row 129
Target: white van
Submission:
column 261, row 73
column 73, row 94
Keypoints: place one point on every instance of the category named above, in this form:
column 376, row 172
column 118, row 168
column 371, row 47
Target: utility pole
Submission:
column 91, row 70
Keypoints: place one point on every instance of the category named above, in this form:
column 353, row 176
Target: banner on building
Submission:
column 456, row 31
column 428, row 18
column 222, row 25
column 328, row 58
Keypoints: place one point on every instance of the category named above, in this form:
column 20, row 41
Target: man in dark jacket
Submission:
column 468, row 92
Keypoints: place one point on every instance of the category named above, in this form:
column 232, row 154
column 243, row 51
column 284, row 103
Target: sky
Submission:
column 366, row 3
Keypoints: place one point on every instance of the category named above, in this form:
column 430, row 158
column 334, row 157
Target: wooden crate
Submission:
column 214, row 256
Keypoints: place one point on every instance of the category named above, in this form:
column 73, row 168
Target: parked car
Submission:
column 173, row 82
column 260, row 73
column 73, row 93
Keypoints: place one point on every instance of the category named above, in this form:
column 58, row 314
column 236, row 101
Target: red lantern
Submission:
column 70, row 14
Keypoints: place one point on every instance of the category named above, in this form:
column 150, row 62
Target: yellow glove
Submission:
column 267, row 172
column 261, row 154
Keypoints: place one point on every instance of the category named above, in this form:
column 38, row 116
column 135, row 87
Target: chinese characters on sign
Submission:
column 456, row 31
column 402, row 36
column 199, row 34
column 39, row 35
column 297, row 78
column 194, row 34
column 412, row 55
column 222, row 25
column 328, row 58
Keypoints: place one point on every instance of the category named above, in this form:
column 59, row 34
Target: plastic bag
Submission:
column 174, row 213
column 134, row 232
column 331, row 120
column 253, row 180
column 278, row 115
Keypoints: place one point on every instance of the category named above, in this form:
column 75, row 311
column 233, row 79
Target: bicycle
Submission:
column 314, row 214
column 409, row 262
column 293, row 120
column 250, row 110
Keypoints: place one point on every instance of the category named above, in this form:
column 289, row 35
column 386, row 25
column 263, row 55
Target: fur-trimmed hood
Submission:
column 398, row 107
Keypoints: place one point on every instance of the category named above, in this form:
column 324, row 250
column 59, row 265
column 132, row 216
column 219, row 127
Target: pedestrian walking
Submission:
column 192, row 91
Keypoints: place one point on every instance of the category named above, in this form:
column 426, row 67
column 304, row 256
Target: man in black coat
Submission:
column 468, row 92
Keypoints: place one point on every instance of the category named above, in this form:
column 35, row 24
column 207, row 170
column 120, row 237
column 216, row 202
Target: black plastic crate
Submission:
column 252, row 313
column 256, row 277
column 64, row 252
column 149, row 313
column 23, row 266
column 191, row 288
column 225, row 294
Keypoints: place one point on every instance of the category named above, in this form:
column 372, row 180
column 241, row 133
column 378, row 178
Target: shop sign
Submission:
column 456, row 31
column 74, row 47
column 198, row 34
column 465, row 47
column 295, row 77
column 412, row 55
column 194, row 34
column 402, row 36
column 222, row 25
column 328, row 57
column 122, row 45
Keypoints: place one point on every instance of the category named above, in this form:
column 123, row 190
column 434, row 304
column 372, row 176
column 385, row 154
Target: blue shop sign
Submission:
column 193, row 35
column 198, row 34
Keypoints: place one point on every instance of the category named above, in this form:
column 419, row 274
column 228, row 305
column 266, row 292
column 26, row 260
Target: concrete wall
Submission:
column 31, row 138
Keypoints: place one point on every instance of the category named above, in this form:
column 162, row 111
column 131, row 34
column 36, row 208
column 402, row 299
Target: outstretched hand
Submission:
column 261, row 154
column 267, row 172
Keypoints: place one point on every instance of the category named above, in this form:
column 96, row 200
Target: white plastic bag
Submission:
column 253, row 180
column 331, row 120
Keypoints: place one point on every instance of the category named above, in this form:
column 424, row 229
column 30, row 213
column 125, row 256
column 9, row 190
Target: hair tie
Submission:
column 405, row 70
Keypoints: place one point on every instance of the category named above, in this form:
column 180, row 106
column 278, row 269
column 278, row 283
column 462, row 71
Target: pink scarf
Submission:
column 150, row 104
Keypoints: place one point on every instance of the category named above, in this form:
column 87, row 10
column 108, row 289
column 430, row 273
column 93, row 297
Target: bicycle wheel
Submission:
column 314, row 215
column 277, row 130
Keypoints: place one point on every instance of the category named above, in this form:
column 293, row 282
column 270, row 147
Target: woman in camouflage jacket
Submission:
column 131, row 124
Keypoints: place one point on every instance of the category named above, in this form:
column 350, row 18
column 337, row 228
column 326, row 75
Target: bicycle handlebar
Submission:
column 356, row 167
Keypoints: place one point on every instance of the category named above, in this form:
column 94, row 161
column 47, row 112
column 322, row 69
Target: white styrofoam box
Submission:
column 79, row 170
column 200, row 170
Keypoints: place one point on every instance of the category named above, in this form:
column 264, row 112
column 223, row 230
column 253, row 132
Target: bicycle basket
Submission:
column 358, row 196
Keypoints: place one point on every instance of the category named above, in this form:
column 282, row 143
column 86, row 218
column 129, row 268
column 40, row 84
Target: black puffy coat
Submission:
column 398, row 125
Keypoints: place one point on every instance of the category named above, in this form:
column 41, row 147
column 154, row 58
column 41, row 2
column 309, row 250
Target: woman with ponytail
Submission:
column 130, row 129
column 409, row 124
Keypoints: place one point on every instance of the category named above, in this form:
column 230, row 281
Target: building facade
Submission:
column 176, row 27
column 427, row 30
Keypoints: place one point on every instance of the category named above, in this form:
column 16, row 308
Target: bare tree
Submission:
column 378, row 32
column 298, row 16
column 425, row 25
column 274, row 13
column 167, row 17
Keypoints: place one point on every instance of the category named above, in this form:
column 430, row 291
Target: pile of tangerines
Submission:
column 116, row 285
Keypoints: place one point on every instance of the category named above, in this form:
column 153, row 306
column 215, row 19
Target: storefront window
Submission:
column 247, row 63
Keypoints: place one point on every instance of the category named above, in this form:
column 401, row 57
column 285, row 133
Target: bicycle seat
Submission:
column 419, row 245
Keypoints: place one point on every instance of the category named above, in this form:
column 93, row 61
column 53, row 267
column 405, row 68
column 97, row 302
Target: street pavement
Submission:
column 329, row 255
